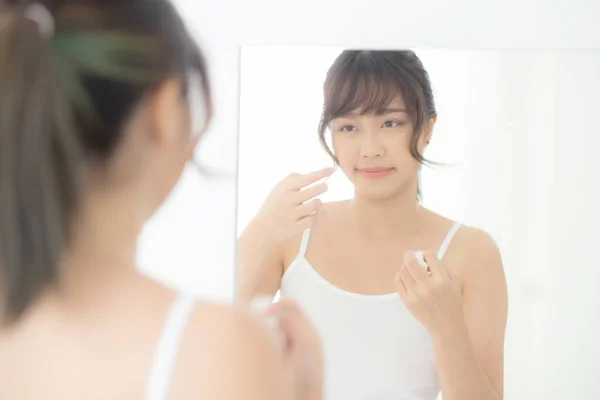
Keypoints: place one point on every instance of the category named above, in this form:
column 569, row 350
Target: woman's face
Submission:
column 373, row 150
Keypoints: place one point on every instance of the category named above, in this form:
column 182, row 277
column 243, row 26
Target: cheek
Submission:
column 402, row 145
column 188, row 137
column 337, row 145
column 344, row 149
column 181, row 149
column 335, row 142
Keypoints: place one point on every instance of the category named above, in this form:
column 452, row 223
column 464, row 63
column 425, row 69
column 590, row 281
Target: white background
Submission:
column 192, row 244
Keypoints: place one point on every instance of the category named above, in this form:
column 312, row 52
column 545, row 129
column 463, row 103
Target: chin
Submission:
column 377, row 194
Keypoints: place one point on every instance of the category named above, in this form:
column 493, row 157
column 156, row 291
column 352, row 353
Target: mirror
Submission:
column 513, row 135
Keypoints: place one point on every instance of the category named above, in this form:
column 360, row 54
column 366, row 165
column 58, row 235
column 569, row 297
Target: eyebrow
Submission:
column 393, row 110
column 382, row 112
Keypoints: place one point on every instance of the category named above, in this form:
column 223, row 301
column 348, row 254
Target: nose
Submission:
column 371, row 146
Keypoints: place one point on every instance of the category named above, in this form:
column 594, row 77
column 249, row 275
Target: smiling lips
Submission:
column 374, row 172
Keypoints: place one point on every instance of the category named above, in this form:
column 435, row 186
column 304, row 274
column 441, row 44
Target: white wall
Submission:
column 565, row 366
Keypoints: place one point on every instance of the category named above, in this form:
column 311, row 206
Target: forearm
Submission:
column 253, row 252
column 460, row 375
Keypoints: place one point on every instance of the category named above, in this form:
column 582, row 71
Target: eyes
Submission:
column 348, row 128
column 386, row 124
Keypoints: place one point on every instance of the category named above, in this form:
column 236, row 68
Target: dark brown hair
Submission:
column 368, row 81
column 64, row 100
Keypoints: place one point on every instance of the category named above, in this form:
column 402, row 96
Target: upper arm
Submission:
column 270, row 279
column 261, row 270
column 261, row 266
column 228, row 354
column 486, row 305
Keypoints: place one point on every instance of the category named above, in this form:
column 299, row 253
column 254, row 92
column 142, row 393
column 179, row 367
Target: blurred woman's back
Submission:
column 97, row 122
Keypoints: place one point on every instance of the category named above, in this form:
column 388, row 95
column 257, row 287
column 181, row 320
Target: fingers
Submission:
column 421, row 259
column 308, row 208
column 306, row 222
column 414, row 267
column 259, row 306
column 407, row 278
column 400, row 286
column 438, row 271
column 454, row 278
column 434, row 264
column 284, row 308
column 311, row 192
column 298, row 181
column 292, row 321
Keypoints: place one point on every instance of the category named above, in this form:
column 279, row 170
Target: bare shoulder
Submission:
column 469, row 245
column 477, row 245
column 475, row 256
column 224, row 344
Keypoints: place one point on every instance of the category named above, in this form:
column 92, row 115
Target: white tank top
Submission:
column 373, row 347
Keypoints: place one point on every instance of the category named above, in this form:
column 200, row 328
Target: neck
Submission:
column 103, row 248
column 398, row 217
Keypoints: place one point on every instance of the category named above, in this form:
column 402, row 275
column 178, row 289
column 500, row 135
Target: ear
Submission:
column 429, row 130
column 167, row 112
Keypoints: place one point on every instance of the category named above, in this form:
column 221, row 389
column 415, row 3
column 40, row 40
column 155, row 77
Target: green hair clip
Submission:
column 109, row 55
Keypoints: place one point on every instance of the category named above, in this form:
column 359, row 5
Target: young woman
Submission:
column 97, row 121
column 393, row 325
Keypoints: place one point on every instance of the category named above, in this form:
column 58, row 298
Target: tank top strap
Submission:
column 165, row 355
column 447, row 240
column 304, row 243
